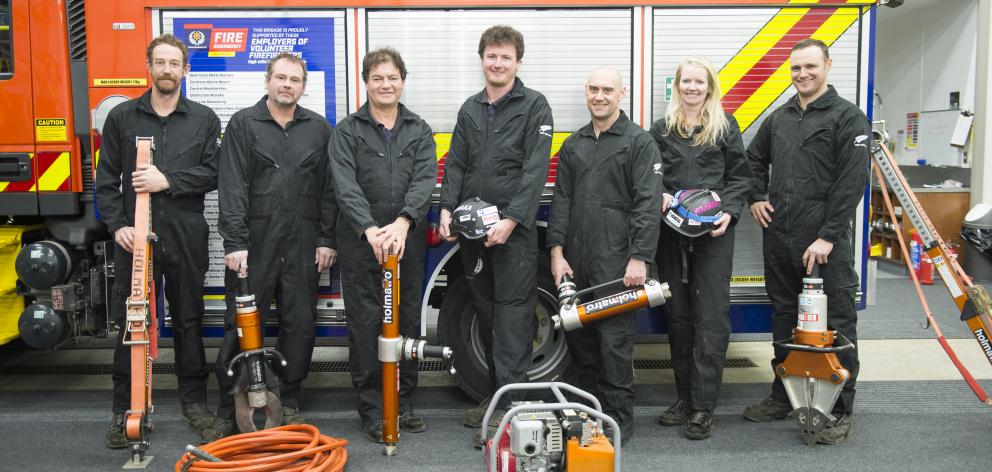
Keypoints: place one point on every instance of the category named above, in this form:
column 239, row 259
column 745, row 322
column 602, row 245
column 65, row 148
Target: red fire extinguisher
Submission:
column 921, row 262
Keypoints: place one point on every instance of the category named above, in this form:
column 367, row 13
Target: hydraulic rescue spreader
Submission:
column 573, row 315
column 256, row 387
column 812, row 375
column 141, row 324
column 394, row 348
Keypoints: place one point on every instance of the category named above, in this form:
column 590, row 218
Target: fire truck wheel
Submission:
column 458, row 329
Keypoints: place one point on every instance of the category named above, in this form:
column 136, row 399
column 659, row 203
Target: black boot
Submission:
column 699, row 425
column 116, row 439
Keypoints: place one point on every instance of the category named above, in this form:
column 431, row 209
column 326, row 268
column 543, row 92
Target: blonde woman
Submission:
column 701, row 148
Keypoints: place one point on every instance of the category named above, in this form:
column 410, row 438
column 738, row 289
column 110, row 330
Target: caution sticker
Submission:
column 49, row 130
column 747, row 280
column 120, row 82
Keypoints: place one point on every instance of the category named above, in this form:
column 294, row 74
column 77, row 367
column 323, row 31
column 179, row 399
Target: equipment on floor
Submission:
column 394, row 348
column 543, row 437
column 141, row 323
column 256, row 386
column 812, row 374
column 474, row 217
column 573, row 315
column 693, row 212
column 297, row 447
column 971, row 300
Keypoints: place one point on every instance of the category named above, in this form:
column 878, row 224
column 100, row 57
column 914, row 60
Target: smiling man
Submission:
column 185, row 168
column 383, row 160
column 277, row 214
column 810, row 161
column 604, row 226
column 500, row 151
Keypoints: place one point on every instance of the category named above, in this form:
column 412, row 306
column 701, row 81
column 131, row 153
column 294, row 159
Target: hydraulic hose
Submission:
column 291, row 448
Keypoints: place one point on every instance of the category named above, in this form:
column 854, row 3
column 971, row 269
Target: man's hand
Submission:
column 720, row 226
column 762, row 213
column 666, row 200
column 148, row 179
column 444, row 226
column 500, row 232
column 324, row 258
column 637, row 272
column 559, row 266
column 394, row 236
column 237, row 261
column 125, row 237
column 376, row 237
column 817, row 253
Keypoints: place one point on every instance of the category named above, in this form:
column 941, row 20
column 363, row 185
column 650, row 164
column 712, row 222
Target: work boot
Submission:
column 116, row 439
column 770, row 409
column 490, row 428
column 838, row 432
column 626, row 434
column 292, row 415
column 221, row 428
column 373, row 431
column 473, row 416
column 197, row 417
column 411, row 423
column 700, row 425
column 676, row 414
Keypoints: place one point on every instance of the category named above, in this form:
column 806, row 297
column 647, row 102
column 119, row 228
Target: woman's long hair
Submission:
column 711, row 117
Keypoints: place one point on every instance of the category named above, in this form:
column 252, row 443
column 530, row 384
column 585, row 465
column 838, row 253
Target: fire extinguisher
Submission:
column 922, row 264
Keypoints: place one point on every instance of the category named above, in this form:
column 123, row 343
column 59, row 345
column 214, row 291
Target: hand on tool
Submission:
column 125, row 237
column 666, row 199
column 149, row 179
column 500, row 232
column 444, row 226
column 636, row 274
column 324, row 258
column 721, row 225
column 762, row 213
column 376, row 236
column 237, row 261
column 817, row 253
column 394, row 236
column 559, row 266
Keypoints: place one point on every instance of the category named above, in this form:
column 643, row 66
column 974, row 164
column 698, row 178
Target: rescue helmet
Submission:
column 474, row 217
column 693, row 212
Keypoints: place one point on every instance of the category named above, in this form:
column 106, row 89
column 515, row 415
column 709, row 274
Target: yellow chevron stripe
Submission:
column 3, row 185
column 759, row 45
column 56, row 174
column 758, row 102
column 443, row 142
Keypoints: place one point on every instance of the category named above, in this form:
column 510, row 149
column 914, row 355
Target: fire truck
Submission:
column 64, row 64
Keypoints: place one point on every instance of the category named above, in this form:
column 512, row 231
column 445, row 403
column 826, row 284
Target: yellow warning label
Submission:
column 747, row 279
column 48, row 130
column 120, row 82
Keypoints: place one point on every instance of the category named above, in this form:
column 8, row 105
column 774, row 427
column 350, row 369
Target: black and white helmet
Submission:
column 474, row 217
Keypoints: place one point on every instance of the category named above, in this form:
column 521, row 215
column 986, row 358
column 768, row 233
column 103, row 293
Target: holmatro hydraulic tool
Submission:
column 812, row 374
column 394, row 348
column 551, row 437
column 256, row 386
column 573, row 315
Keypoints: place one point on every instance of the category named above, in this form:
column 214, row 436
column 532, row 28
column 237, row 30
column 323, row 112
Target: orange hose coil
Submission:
column 291, row 448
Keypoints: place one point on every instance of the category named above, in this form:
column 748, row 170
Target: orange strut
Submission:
column 979, row 392
column 390, row 330
column 291, row 448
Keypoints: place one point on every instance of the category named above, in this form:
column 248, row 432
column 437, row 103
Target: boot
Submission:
column 676, row 414
column 838, row 432
column 373, row 431
column 473, row 416
column 292, row 415
column 700, row 425
column 116, row 439
column 197, row 417
column 411, row 423
column 770, row 409
column 221, row 428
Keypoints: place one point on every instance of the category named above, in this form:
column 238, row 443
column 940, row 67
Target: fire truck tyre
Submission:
column 458, row 329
